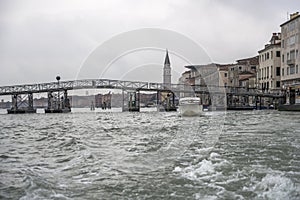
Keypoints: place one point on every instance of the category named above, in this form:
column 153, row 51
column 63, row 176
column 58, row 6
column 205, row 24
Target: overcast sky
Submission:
column 41, row 39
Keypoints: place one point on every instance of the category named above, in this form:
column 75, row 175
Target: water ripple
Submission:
column 150, row 156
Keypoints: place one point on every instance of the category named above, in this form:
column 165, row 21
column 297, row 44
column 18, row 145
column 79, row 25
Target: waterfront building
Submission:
column 186, row 78
column 290, row 46
column 216, row 74
column 103, row 100
column 204, row 75
column 269, row 68
column 223, row 73
column 167, row 71
column 238, row 71
column 208, row 76
column 247, row 80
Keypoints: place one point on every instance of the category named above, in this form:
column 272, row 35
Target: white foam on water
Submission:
column 195, row 172
column 43, row 194
column 207, row 197
column 204, row 150
column 59, row 196
column 177, row 169
column 214, row 155
column 276, row 186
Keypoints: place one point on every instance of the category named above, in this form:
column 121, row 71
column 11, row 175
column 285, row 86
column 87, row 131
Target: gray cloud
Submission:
column 40, row 39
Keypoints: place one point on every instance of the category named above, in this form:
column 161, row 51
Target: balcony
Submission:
column 290, row 62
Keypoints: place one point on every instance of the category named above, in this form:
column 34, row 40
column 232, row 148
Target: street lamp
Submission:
column 58, row 95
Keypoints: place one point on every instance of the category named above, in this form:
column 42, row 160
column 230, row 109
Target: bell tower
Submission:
column 167, row 72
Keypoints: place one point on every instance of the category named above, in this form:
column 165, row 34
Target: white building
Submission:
column 269, row 68
column 290, row 45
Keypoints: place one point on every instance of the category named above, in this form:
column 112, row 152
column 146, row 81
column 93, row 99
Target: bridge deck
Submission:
column 129, row 85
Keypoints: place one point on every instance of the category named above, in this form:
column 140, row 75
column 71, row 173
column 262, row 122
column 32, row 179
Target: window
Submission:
column 287, row 71
column 260, row 73
column 268, row 56
column 225, row 74
column 282, row 44
column 253, row 67
column 296, row 69
column 288, row 56
column 292, row 54
column 277, row 71
column 277, row 53
column 271, row 71
column 282, row 72
column 292, row 40
column 296, row 53
column 292, row 70
column 265, row 73
column 278, row 84
column 271, row 54
column 283, row 58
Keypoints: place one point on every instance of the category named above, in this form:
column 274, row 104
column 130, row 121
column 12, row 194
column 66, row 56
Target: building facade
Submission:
column 269, row 68
column 290, row 46
column 186, row 78
column 243, row 67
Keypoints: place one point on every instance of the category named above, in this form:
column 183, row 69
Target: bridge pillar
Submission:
column 133, row 101
column 14, row 100
column 22, row 104
column 123, row 97
column 57, row 104
column 66, row 102
column 50, row 101
column 158, row 100
column 30, row 101
column 167, row 101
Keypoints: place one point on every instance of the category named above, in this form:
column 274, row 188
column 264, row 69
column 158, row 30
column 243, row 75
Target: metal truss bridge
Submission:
column 129, row 85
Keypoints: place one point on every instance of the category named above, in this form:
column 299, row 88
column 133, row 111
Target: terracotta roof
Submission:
column 246, row 77
column 246, row 72
column 186, row 72
column 252, row 60
column 220, row 66
column 224, row 67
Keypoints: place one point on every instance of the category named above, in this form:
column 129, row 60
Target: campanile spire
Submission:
column 167, row 71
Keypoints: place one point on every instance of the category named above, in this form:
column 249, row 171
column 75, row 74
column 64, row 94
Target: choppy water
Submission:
column 149, row 155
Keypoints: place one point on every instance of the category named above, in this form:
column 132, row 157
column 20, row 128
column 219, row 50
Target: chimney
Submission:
column 292, row 16
column 279, row 36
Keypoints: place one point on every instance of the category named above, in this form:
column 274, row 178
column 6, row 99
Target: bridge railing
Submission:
column 127, row 85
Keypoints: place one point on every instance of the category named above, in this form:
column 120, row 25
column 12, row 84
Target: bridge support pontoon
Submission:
column 22, row 104
column 131, row 101
column 166, row 101
column 57, row 104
